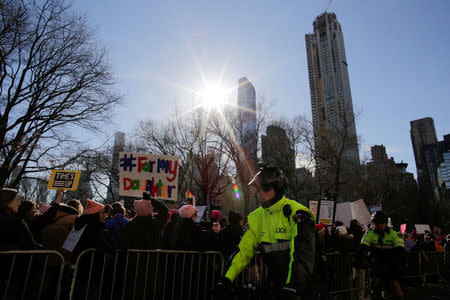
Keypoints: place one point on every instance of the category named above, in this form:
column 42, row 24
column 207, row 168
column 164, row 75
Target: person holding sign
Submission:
column 387, row 253
column 285, row 233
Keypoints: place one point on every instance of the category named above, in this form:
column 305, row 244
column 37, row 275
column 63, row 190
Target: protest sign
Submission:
column 200, row 212
column 403, row 228
column 73, row 238
column 421, row 228
column 326, row 211
column 347, row 211
column 360, row 212
column 344, row 212
column 63, row 179
column 153, row 174
column 374, row 208
column 313, row 207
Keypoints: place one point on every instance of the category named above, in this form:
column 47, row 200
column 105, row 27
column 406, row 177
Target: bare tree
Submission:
column 203, row 166
column 291, row 147
column 53, row 79
column 235, row 138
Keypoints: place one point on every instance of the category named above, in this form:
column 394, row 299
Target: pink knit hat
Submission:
column 92, row 207
column 42, row 207
column 216, row 214
column 187, row 211
column 143, row 207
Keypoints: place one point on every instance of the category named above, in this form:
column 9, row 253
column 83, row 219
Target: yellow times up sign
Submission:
column 63, row 179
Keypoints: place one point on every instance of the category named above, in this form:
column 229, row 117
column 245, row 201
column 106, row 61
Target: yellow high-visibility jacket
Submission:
column 270, row 226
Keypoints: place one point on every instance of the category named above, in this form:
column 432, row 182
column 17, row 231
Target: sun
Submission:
column 213, row 96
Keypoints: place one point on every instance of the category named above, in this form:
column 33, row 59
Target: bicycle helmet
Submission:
column 269, row 177
column 380, row 218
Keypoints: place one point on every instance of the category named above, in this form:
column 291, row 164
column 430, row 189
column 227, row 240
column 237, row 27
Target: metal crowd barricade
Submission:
column 342, row 280
column 31, row 274
column 146, row 274
column 255, row 273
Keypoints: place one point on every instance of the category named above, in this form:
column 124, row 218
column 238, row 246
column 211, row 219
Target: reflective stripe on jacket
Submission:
column 269, row 226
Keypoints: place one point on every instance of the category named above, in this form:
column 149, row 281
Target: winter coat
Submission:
column 184, row 234
column 230, row 237
column 94, row 235
column 14, row 232
column 54, row 234
column 143, row 232
column 116, row 225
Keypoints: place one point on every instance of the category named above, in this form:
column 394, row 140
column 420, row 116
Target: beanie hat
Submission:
column 320, row 227
column 42, row 207
column 216, row 214
column 92, row 207
column 143, row 207
column 187, row 211
column 341, row 230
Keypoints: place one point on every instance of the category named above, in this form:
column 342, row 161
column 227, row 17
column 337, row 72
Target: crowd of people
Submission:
column 150, row 225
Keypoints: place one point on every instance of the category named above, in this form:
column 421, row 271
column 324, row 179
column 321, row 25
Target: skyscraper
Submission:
column 247, row 116
column 247, row 138
column 444, row 168
column 113, row 189
column 425, row 146
column 331, row 99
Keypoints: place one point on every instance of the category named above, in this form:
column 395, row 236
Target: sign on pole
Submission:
column 150, row 173
column 313, row 207
column 63, row 179
column 421, row 228
column 326, row 212
column 200, row 213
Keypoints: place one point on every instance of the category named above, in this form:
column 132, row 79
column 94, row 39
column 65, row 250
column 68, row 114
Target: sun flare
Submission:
column 213, row 96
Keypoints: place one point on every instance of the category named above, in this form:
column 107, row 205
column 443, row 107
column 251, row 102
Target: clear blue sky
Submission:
column 397, row 51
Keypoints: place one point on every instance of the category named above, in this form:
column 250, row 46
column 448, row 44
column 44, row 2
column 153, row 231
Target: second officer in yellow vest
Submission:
column 283, row 230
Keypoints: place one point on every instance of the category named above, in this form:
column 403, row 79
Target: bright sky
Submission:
column 397, row 52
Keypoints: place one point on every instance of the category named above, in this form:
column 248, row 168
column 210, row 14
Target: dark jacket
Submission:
column 14, row 233
column 144, row 232
column 230, row 237
column 94, row 235
column 184, row 234
column 116, row 225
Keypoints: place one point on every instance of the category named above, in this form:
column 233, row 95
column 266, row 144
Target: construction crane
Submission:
column 328, row 6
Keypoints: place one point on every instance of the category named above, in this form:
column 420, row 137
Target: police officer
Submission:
column 387, row 256
column 283, row 230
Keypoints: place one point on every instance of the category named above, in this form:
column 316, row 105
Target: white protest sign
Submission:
column 347, row 211
column 313, row 207
column 326, row 212
column 73, row 238
column 200, row 212
column 153, row 174
column 421, row 228
column 344, row 212
column 360, row 212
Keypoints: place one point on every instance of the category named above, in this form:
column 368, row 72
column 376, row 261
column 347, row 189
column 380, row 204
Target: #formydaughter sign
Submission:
column 150, row 173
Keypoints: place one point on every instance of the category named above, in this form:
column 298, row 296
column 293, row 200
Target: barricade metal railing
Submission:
column 31, row 274
column 338, row 277
column 165, row 274
column 146, row 274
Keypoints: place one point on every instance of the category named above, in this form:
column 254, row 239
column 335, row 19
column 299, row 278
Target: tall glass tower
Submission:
column 331, row 98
